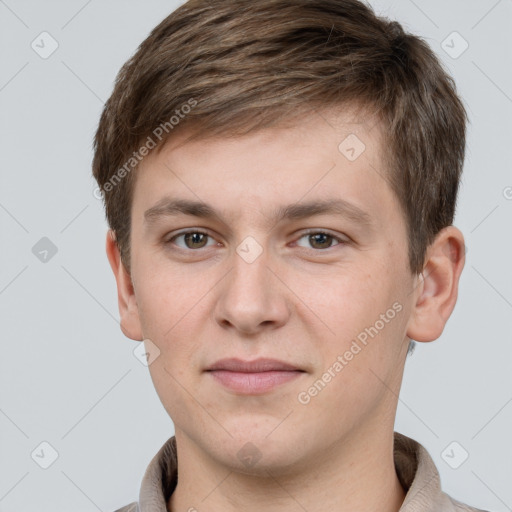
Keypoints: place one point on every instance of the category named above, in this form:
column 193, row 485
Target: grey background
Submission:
column 68, row 375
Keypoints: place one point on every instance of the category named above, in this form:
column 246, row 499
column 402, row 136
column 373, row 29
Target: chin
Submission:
column 258, row 453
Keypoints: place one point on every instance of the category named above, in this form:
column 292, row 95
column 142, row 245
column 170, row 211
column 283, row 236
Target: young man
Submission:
column 280, row 180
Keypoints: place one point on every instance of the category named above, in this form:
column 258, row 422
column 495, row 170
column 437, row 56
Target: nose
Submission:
column 251, row 298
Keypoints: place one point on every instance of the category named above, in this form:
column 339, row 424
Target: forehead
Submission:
column 323, row 128
column 322, row 156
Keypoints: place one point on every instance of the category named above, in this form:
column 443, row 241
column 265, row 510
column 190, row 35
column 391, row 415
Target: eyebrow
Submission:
column 167, row 207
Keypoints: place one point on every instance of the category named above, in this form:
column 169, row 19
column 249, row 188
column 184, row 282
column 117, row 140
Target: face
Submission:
column 296, row 253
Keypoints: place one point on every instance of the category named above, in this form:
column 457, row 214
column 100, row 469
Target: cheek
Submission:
column 346, row 301
column 168, row 313
column 163, row 295
column 175, row 392
column 365, row 312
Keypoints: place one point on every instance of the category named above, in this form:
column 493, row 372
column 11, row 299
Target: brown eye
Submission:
column 191, row 240
column 195, row 240
column 320, row 240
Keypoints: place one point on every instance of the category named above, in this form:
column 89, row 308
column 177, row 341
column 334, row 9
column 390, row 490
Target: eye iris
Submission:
column 195, row 238
column 322, row 238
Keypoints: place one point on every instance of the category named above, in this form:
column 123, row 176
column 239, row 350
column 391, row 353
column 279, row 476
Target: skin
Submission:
column 299, row 301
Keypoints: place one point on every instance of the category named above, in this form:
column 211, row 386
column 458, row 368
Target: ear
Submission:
column 128, row 310
column 437, row 288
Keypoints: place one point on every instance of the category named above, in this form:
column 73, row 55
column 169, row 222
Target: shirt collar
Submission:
column 415, row 469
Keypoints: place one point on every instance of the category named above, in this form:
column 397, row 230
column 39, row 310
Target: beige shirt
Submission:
column 414, row 466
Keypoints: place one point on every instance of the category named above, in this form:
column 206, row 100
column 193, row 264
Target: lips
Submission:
column 253, row 377
column 256, row 366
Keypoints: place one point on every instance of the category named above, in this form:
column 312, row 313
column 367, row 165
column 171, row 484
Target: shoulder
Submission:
column 462, row 507
column 132, row 507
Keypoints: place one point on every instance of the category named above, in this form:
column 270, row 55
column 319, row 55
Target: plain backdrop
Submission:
column 69, row 378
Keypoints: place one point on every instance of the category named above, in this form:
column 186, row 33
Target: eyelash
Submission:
column 303, row 234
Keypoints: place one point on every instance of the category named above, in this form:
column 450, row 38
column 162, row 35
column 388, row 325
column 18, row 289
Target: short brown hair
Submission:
column 244, row 65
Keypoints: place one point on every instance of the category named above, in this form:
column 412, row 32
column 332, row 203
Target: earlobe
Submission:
column 127, row 303
column 437, row 286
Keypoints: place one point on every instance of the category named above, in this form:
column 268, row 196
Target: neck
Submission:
column 357, row 473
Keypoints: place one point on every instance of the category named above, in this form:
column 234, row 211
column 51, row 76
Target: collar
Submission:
column 415, row 469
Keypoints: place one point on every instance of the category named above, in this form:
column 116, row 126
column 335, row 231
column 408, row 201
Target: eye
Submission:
column 192, row 239
column 320, row 240
column 195, row 239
